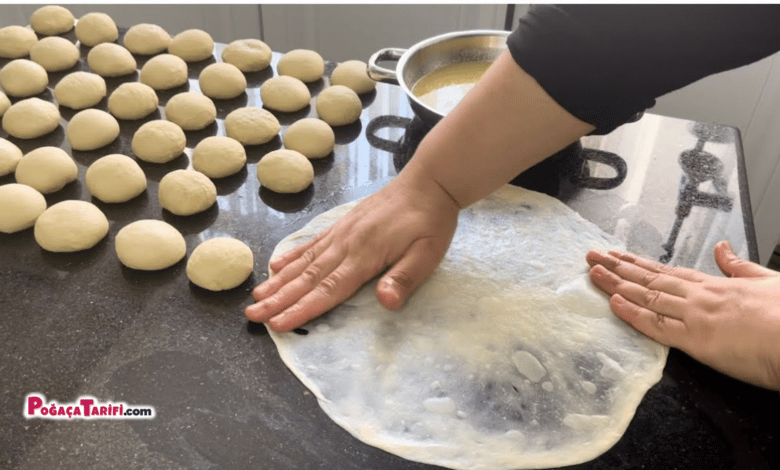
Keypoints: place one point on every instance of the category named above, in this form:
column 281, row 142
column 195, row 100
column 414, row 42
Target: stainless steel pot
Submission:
column 432, row 54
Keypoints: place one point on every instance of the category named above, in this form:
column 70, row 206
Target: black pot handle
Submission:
column 382, row 122
column 607, row 158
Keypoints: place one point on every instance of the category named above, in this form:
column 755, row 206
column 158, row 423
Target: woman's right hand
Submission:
column 407, row 226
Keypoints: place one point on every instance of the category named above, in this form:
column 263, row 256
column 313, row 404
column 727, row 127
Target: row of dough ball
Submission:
column 217, row 264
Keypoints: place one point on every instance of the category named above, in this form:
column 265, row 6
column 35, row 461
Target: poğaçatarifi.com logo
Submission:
column 86, row 407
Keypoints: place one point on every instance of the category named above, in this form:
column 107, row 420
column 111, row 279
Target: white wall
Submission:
column 223, row 22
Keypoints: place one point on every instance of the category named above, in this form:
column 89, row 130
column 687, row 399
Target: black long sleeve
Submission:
column 605, row 63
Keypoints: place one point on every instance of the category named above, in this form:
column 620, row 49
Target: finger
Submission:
column 732, row 265
column 650, row 299
column 334, row 289
column 406, row 275
column 636, row 274
column 299, row 278
column 652, row 265
column 666, row 330
column 288, row 267
column 277, row 264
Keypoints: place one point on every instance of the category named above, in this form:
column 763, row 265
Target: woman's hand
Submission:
column 731, row 324
column 406, row 226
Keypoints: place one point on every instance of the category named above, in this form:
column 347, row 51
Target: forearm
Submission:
column 503, row 126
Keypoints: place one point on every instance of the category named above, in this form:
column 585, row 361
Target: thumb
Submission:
column 732, row 265
column 406, row 275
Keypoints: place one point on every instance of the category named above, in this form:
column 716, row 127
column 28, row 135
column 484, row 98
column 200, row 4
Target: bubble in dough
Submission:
column 79, row 90
column 158, row 141
column 191, row 111
column 338, row 105
column 146, row 39
column 149, row 245
column 111, row 60
column 186, row 192
column 249, row 55
column 312, row 137
column 192, row 45
column 22, row 78
column 47, row 169
column 132, row 101
column 5, row 103
column 164, row 71
column 91, row 129
column 352, row 74
column 285, row 171
column 304, row 64
column 222, row 81
column 21, row 206
column 115, row 178
column 220, row 264
column 10, row 156
column 96, row 28
column 70, row 226
column 252, row 126
column 31, row 118
column 284, row 93
column 50, row 20
column 218, row 156
column 55, row 53
column 16, row 41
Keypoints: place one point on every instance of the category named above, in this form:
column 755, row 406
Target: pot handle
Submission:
column 382, row 74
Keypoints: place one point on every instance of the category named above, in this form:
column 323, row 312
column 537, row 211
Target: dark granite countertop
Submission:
column 75, row 325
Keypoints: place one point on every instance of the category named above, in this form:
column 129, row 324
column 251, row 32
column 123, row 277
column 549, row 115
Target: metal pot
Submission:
column 432, row 54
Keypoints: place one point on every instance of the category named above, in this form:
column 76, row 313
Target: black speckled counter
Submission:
column 74, row 325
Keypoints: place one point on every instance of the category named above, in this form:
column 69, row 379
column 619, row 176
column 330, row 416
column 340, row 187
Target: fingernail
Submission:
column 618, row 299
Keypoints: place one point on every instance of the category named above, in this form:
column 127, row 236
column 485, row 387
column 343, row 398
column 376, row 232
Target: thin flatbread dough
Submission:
column 507, row 357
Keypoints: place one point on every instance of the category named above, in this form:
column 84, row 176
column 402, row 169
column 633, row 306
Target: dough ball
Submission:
column 55, row 54
column 218, row 156
column 5, row 103
column 96, row 28
column 146, row 39
column 191, row 111
column 70, row 226
column 251, row 126
column 16, row 41
column 352, row 74
column 149, row 245
column 91, row 129
column 222, row 81
column 192, row 45
column 132, row 100
column 186, row 192
column 158, row 141
column 285, row 171
column 312, row 137
column 22, row 78
column 249, row 55
column 51, row 20
column 285, row 94
column 338, row 105
column 10, row 156
column 21, row 207
column 164, row 71
column 111, row 60
column 115, row 178
column 303, row 64
column 220, row 264
column 31, row 118
column 79, row 90
column 47, row 169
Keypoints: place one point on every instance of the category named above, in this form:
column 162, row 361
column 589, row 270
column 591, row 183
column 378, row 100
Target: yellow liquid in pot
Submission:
column 443, row 88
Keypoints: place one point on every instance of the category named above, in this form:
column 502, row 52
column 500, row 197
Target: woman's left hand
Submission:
column 731, row 324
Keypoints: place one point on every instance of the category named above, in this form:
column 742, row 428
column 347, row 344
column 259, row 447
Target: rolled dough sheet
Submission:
column 507, row 357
